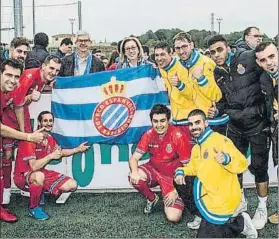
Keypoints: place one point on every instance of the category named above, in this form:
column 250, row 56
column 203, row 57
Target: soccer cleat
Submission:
column 38, row 213
column 273, row 218
column 260, row 218
column 242, row 207
column 150, row 205
column 6, row 196
column 195, row 224
column 6, row 216
column 249, row 229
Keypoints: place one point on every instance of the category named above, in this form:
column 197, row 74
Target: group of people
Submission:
column 219, row 106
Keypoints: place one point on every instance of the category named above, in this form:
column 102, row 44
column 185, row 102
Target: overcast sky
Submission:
column 115, row 19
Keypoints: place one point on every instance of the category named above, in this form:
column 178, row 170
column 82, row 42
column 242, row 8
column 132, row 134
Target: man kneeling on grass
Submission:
column 215, row 162
column 30, row 173
column 168, row 147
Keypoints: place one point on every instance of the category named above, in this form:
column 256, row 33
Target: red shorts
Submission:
column 154, row 178
column 53, row 180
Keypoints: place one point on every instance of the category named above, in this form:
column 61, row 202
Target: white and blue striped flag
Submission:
column 108, row 107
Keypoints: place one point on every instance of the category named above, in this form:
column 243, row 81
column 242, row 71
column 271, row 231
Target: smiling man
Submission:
column 81, row 62
column 168, row 150
column 31, row 84
column 30, row 173
column 215, row 162
column 10, row 73
column 19, row 49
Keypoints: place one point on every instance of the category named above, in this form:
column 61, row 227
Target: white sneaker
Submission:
column 242, row 207
column 249, row 229
column 260, row 218
column 195, row 224
column 6, row 196
column 24, row 193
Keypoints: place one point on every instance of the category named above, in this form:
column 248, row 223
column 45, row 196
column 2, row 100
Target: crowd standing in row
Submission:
column 219, row 106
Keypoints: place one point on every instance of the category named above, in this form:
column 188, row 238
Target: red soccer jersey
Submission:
column 27, row 151
column 173, row 147
column 6, row 100
column 27, row 82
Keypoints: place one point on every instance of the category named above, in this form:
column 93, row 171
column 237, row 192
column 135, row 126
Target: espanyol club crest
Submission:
column 113, row 116
column 169, row 148
column 241, row 69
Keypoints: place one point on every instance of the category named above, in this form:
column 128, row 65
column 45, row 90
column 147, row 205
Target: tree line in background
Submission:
column 200, row 37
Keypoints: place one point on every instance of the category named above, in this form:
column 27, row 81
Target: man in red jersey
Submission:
column 168, row 149
column 30, row 173
column 31, row 84
column 10, row 73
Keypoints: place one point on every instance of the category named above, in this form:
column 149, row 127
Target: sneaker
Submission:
column 6, row 216
column 25, row 193
column 249, row 229
column 38, row 213
column 195, row 224
column 260, row 218
column 273, row 218
column 6, row 196
column 242, row 207
column 150, row 205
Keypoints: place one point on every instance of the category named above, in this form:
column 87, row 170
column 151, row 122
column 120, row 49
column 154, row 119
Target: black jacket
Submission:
column 36, row 57
column 59, row 53
column 243, row 99
column 271, row 93
column 68, row 65
column 240, row 43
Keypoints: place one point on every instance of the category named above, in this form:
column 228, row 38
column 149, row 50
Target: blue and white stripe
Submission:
column 74, row 100
column 208, row 216
column 224, row 119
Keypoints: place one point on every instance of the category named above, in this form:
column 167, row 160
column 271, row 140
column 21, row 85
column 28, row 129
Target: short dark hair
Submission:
column 12, row 63
column 160, row 109
column 45, row 112
column 19, row 41
column 197, row 112
column 215, row 39
column 104, row 57
column 145, row 49
column 96, row 50
column 40, row 116
column 262, row 46
column 66, row 41
column 163, row 45
column 248, row 30
column 41, row 39
column 54, row 58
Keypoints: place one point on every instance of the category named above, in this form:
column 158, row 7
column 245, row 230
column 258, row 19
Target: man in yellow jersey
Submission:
column 184, row 93
column 215, row 162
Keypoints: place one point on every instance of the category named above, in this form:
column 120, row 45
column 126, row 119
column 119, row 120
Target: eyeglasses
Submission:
column 183, row 47
column 133, row 48
column 218, row 49
column 83, row 40
column 257, row 36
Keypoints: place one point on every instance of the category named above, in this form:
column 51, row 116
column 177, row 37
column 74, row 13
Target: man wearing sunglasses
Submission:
column 81, row 62
column 238, row 77
column 252, row 37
